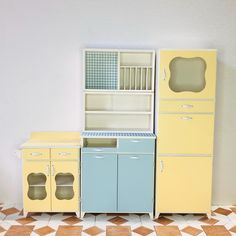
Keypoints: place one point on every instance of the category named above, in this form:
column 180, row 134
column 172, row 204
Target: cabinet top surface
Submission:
column 53, row 140
column 93, row 134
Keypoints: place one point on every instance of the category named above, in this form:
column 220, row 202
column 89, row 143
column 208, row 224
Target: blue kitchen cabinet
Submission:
column 99, row 182
column 135, row 183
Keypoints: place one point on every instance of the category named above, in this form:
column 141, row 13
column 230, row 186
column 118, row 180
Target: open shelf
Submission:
column 100, row 142
column 118, row 102
column 64, row 179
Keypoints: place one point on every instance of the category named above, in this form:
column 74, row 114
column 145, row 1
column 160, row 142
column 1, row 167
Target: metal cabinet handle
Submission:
column 164, row 73
column 64, row 153
column 134, row 157
column 187, row 106
column 97, row 150
column 48, row 170
column 186, row 117
column 36, row 153
column 162, row 166
column 53, row 170
column 135, row 141
column 99, row 157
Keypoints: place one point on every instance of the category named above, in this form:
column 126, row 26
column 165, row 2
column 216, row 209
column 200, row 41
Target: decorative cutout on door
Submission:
column 37, row 186
column 187, row 74
column 64, row 186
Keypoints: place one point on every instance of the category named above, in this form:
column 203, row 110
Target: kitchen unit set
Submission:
column 118, row 165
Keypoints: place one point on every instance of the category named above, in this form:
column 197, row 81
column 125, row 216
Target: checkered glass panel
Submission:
column 101, row 70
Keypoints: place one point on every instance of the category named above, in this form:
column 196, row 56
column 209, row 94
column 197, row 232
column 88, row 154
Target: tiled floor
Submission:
column 12, row 223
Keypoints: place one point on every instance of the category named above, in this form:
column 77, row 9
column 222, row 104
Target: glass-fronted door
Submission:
column 187, row 74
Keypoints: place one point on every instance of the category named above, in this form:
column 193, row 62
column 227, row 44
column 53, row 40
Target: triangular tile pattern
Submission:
column 12, row 223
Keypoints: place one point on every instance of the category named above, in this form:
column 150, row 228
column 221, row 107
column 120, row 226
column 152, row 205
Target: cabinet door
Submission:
column 184, row 184
column 135, row 183
column 185, row 134
column 187, row 74
column 99, row 182
column 65, row 185
column 36, row 185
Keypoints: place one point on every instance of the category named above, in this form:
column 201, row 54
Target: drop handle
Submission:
column 186, row 118
column 35, row 153
column 99, row 157
column 134, row 158
column 187, row 106
column 135, row 141
column 98, row 150
column 64, row 153
column 162, row 166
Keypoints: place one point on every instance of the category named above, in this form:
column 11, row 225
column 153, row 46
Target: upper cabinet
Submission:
column 119, row 70
column 187, row 74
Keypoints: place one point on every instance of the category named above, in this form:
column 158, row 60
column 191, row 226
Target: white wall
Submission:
column 41, row 70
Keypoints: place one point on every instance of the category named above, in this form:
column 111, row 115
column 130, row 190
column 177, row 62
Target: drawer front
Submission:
column 185, row 134
column 186, row 106
column 65, row 153
column 98, row 150
column 136, row 145
column 35, row 153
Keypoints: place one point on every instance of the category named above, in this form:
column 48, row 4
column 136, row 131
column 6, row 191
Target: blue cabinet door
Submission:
column 99, row 182
column 135, row 183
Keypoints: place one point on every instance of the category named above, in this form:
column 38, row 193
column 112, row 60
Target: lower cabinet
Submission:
column 183, row 184
column 50, row 183
column 117, row 183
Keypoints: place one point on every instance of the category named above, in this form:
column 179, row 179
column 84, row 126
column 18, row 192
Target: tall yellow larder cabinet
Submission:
column 185, row 128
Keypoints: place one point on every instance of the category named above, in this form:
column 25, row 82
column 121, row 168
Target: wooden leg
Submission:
column 209, row 215
column 77, row 214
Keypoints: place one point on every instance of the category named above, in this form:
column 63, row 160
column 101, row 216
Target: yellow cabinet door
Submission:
column 187, row 74
column 185, row 134
column 183, row 185
column 65, row 185
column 36, row 185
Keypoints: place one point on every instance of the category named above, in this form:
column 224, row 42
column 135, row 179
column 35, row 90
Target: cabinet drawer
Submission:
column 186, row 106
column 36, row 153
column 65, row 153
column 137, row 145
column 98, row 150
column 185, row 134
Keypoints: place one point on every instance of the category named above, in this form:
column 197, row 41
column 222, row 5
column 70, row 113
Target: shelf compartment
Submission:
column 36, row 179
column 100, row 142
column 135, row 78
column 64, row 192
column 118, row 102
column 64, row 179
column 118, row 122
column 37, row 192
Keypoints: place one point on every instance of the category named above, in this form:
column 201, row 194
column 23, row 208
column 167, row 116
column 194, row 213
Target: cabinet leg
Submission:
column 209, row 215
column 25, row 213
column 82, row 214
column 77, row 214
column 157, row 215
column 151, row 215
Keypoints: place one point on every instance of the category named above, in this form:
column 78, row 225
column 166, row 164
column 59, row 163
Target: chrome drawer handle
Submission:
column 186, row 118
column 187, row 106
column 36, row 154
column 99, row 157
column 134, row 157
column 64, row 153
column 97, row 150
column 135, row 141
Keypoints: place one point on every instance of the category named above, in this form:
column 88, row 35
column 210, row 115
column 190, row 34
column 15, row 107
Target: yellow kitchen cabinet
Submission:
column 36, row 185
column 65, row 185
column 185, row 134
column 184, row 184
column 187, row 74
column 51, row 173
